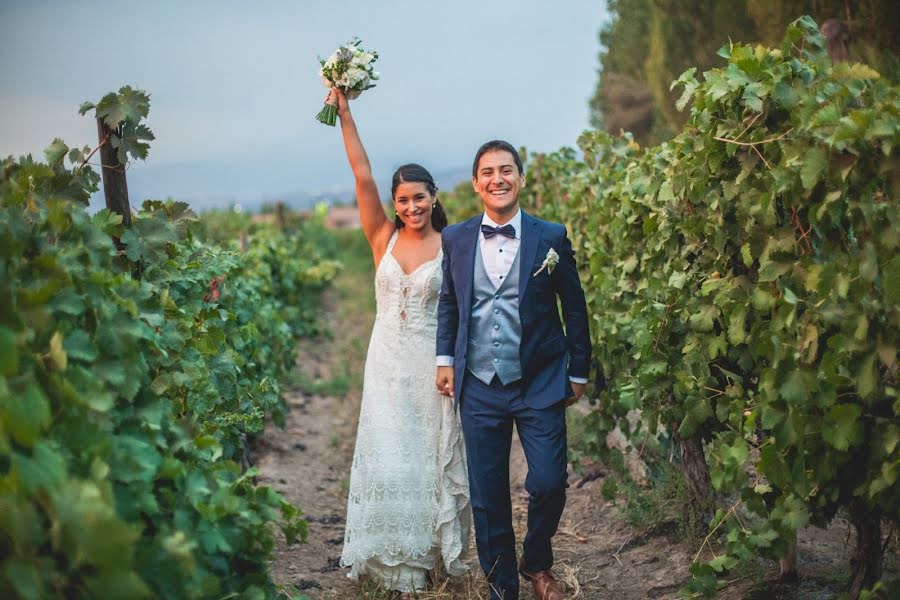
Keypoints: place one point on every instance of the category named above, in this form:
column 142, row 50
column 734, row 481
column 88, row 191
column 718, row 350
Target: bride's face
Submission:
column 413, row 204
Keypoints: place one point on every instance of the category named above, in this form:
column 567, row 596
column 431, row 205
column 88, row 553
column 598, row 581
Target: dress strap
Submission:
column 388, row 252
column 392, row 241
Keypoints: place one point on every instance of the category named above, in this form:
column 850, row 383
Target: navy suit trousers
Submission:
column 488, row 413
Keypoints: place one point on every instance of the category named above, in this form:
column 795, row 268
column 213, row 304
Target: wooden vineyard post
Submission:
column 280, row 217
column 115, row 187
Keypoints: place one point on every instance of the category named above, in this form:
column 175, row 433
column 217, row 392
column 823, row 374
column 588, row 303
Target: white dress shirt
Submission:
column 498, row 254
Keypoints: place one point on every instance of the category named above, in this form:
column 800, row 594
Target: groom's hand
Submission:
column 444, row 381
column 577, row 393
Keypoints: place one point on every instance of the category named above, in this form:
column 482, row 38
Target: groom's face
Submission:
column 498, row 181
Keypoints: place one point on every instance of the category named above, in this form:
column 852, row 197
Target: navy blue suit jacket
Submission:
column 548, row 356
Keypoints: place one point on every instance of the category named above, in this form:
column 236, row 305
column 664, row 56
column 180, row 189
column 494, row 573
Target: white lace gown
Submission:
column 408, row 510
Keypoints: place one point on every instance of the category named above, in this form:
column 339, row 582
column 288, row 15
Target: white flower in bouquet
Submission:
column 349, row 68
column 362, row 58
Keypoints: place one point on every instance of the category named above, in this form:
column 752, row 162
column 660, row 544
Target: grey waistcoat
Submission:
column 495, row 331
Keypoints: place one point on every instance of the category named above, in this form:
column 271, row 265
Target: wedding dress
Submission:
column 408, row 509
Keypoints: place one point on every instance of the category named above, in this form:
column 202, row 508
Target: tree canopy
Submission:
column 649, row 43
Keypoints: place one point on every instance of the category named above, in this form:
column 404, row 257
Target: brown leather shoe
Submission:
column 544, row 585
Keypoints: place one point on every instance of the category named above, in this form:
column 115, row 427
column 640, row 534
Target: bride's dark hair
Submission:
column 413, row 173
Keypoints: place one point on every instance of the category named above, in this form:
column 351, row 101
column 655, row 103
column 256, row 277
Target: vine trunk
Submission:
column 866, row 560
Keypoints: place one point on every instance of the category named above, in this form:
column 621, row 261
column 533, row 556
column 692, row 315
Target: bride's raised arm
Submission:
column 375, row 223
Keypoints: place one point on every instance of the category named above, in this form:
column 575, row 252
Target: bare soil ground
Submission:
column 599, row 553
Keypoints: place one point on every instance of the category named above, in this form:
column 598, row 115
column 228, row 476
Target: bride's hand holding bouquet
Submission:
column 337, row 100
column 349, row 69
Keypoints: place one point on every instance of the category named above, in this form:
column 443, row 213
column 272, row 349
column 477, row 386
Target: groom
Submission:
column 503, row 356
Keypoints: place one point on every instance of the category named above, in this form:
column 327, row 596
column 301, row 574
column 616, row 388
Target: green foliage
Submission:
column 644, row 47
column 871, row 27
column 743, row 284
column 462, row 203
column 661, row 506
column 622, row 99
column 673, row 44
column 122, row 112
column 648, row 43
column 125, row 403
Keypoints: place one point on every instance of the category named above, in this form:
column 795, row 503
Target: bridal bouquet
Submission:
column 350, row 69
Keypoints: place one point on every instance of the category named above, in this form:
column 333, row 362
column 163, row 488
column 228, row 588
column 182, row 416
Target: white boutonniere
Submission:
column 549, row 263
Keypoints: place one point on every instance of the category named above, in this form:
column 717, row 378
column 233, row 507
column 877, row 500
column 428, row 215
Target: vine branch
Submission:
column 662, row 325
column 804, row 232
column 766, row 141
column 93, row 152
column 749, row 125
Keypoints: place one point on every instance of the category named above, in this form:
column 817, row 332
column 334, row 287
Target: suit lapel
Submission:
column 465, row 274
column 531, row 237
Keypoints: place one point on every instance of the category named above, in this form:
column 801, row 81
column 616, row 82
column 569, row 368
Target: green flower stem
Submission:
column 328, row 115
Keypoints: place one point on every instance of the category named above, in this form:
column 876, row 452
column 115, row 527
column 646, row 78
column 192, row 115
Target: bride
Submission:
column 408, row 511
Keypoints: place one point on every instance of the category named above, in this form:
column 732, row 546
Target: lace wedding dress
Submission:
column 408, row 510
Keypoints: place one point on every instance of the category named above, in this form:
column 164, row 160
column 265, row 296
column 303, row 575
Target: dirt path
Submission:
column 309, row 461
column 309, row 467
column 599, row 554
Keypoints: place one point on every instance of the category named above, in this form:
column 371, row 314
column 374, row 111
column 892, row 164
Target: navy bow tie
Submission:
column 507, row 231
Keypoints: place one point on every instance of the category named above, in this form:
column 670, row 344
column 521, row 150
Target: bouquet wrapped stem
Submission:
column 349, row 68
column 328, row 115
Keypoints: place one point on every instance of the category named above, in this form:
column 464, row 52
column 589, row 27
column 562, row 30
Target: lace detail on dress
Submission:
column 408, row 508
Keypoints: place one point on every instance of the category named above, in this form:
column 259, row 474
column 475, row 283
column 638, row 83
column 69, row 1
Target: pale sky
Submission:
column 234, row 85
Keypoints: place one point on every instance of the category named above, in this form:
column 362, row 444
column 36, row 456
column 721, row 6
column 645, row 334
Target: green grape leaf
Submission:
column 846, row 70
column 891, row 282
column 68, row 301
column 56, row 152
column 703, row 319
column 867, row 376
column 814, row 163
column 797, row 387
column 9, row 353
column 134, row 460
column 25, row 413
column 677, row 279
column 45, row 470
column 736, row 323
column 793, row 513
column 697, row 412
column 133, row 141
column 774, row 467
column 108, row 221
column 118, row 583
column 148, row 239
column 78, row 345
column 25, row 578
column 842, row 428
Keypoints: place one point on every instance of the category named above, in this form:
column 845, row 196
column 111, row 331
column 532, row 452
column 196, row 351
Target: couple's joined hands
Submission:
column 445, row 380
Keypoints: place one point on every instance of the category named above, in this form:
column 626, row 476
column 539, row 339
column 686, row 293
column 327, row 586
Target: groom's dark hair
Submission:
column 497, row 145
